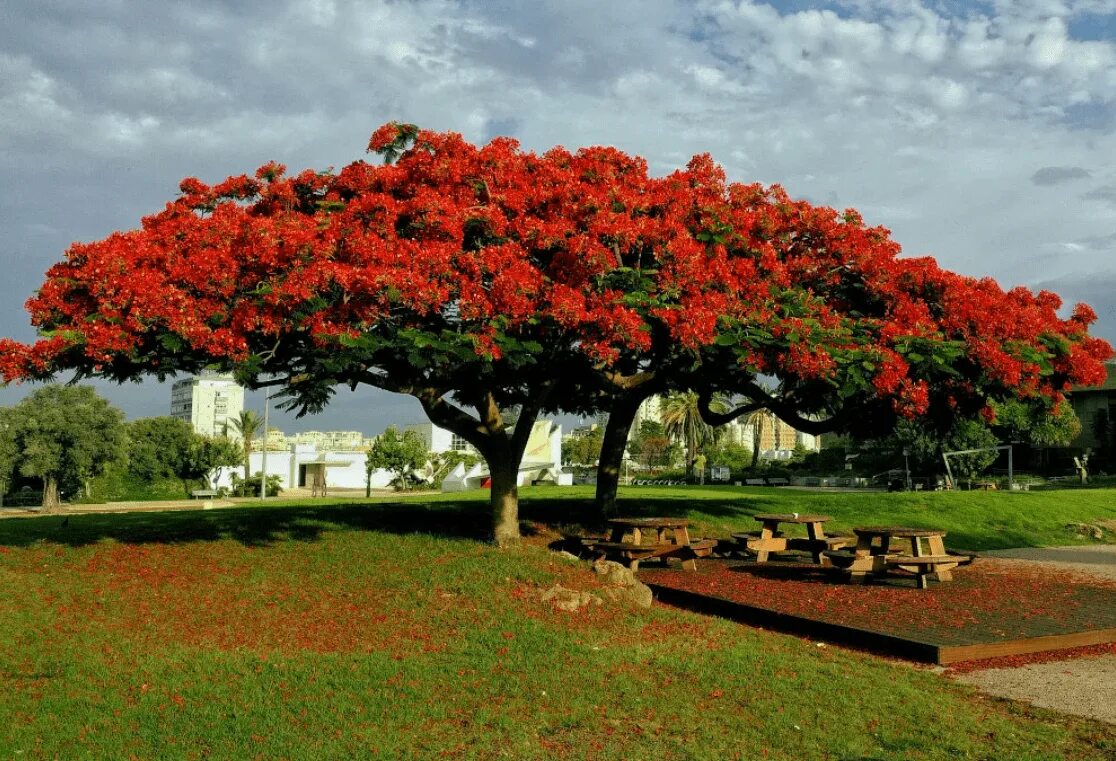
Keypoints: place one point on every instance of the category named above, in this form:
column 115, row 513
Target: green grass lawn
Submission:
column 388, row 630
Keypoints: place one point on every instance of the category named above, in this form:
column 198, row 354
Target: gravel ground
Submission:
column 1097, row 559
column 1082, row 686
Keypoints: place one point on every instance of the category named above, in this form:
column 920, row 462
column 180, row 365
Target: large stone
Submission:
column 1094, row 531
column 569, row 600
column 621, row 584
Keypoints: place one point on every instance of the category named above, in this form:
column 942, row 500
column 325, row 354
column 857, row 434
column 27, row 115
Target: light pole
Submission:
column 907, row 466
column 263, row 455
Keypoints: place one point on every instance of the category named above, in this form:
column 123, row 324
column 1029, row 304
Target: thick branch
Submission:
column 446, row 415
column 628, row 382
column 781, row 408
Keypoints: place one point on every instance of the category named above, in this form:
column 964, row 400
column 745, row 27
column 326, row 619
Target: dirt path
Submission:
column 1081, row 686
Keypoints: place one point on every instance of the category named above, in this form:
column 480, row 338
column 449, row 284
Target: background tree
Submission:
column 65, row 435
column 445, row 462
column 652, row 448
column 400, row 454
column 208, row 455
column 682, row 419
column 583, row 447
column 736, row 457
column 9, row 455
column 247, row 425
column 159, row 448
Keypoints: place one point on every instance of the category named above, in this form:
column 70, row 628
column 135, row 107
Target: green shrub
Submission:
column 250, row 487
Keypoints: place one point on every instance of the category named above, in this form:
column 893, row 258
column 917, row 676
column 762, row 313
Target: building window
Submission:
column 460, row 445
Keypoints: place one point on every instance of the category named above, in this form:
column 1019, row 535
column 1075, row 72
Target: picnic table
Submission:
column 672, row 540
column 875, row 554
column 770, row 539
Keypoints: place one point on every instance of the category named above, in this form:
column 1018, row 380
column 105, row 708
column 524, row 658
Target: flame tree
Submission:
column 486, row 280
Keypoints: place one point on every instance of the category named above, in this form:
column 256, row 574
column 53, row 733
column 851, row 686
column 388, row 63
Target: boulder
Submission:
column 569, row 600
column 1087, row 529
column 621, row 585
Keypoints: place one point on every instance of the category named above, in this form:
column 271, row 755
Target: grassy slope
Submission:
column 975, row 520
column 336, row 632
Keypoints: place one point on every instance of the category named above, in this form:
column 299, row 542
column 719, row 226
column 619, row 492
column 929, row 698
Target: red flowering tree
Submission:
column 845, row 335
column 486, row 280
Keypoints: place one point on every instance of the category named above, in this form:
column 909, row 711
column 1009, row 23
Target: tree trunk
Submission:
column 757, row 437
column 51, row 501
column 504, row 475
column 615, row 440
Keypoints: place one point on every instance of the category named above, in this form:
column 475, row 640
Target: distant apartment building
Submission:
column 209, row 402
column 777, row 440
column 334, row 441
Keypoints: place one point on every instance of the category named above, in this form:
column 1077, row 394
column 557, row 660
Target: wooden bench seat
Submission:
column 745, row 536
column 924, row 567
column 633, row 553
column 823, row 543
column 840, row 558
column 702, row 547
column 628, row 549
column 901, row 560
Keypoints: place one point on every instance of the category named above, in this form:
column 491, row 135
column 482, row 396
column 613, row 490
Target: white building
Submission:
column 346, row 441
column 296, row 466
column 345, row 469
column 208, row 402
column 440, row 440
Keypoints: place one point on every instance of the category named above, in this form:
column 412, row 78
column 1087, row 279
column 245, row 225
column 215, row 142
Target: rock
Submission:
column 569, row 557
column 569, row 600
column 1086, row 529
column 622, row 585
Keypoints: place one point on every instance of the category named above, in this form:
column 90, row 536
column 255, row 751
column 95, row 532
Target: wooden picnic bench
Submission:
column 672, row 540
column 874, row 556
column 771, row 539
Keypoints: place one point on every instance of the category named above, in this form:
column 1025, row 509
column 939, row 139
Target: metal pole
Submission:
column 263, row 456
column 1011, row 482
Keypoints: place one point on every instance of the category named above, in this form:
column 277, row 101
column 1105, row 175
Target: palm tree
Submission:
column 681, row 417
column 756, row 420
column 246, row 425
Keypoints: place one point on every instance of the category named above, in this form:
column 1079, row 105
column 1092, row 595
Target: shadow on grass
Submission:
column 252, row 526
column 461, row 518
column 260, row 525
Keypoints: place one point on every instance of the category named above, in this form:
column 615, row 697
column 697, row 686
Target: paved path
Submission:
column 1081, row 686
column 1096, row 559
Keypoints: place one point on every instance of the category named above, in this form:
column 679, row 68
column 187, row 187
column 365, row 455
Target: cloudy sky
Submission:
column 982, row 133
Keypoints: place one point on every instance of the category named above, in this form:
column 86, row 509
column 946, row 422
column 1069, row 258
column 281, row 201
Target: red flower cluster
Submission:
column 492, row 252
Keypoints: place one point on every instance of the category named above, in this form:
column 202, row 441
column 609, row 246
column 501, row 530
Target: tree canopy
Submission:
column 401, row 454
column 478, row 279
column 165, row 447
column 64, row 435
